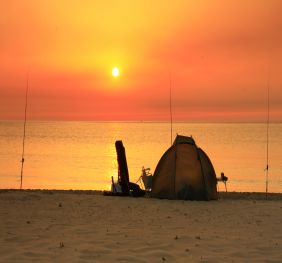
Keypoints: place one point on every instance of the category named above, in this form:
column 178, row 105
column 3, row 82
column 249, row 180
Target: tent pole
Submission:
column 170, row 108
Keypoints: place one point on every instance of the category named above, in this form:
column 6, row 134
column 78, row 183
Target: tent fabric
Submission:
column 184, row 172
column 184, row 139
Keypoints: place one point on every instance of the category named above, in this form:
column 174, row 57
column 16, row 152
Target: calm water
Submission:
column 81, row 155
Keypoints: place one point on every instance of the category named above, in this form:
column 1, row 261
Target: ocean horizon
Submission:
column 80, row 155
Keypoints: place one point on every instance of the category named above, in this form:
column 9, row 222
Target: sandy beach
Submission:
column 85, row 226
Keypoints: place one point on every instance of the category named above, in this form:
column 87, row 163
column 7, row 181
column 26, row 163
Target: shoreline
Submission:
column 222, row 195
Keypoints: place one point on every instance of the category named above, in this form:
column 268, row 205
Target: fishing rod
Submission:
column 267, row 140
column 24, row 130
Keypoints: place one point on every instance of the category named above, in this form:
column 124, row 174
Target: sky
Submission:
column 219, row 58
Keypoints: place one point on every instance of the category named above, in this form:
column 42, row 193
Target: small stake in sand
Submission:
column 22, row 161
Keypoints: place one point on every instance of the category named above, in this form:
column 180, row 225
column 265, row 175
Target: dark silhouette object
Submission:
column 123, row 175
column 127, row 188
column 184, row 172
column 223, row 179
column 146, row 178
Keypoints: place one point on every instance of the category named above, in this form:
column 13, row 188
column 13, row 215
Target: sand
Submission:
column 85, row 226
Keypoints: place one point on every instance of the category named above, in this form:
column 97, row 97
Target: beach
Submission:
column 85, row 226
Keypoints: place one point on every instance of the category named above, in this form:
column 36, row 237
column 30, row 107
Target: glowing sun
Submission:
column 115, row 72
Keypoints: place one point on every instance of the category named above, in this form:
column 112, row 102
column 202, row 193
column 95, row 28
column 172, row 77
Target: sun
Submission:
column 115, row 72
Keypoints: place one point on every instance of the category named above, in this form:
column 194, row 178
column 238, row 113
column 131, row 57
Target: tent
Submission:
column 184, row 172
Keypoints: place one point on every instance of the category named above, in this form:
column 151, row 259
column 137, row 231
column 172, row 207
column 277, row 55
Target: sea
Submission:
column 80, row 155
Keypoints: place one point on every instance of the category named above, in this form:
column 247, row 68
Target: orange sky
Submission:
column 219, row 54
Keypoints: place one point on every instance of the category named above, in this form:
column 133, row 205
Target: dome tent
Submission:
column 184, row 172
